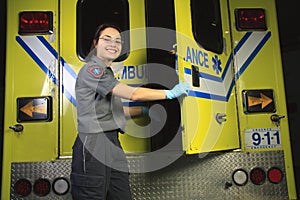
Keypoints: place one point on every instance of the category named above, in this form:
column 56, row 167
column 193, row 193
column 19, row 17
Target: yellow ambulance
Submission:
column 227, row 139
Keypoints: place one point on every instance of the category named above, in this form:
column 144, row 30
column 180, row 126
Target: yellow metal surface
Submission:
column 38, row 140
column 202, row 133
column 68, row 52
column 265, row 72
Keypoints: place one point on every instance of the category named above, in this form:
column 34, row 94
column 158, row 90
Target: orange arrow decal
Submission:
column 28, row 109
column 263, row 100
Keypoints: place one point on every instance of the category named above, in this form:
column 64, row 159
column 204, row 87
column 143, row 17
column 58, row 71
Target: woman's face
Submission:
column 109, row 45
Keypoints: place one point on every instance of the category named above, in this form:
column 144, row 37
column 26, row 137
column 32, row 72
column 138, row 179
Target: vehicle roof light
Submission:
column 61, row 186
column 240, row 177
column 41, row 187
column 35, row 22
column 250, row 19
column 257, row 176
column 275, row 175
column 23, row 187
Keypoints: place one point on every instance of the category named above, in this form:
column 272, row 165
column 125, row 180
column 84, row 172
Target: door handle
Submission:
column 221, row 117
column 276, row 118
column 17, row 127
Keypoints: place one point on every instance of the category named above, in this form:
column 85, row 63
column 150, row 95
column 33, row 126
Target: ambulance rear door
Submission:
column 78, row 23
column 204, row 53
column 259, row 77
column 259, row 81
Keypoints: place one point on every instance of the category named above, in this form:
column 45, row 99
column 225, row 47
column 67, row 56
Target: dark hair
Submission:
column 101, row 28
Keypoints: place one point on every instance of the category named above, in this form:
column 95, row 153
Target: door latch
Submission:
column 276, row 119
column 221, row 117
column 17, row 127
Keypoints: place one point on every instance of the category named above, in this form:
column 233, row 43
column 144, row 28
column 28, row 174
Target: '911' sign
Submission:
column 262, row 138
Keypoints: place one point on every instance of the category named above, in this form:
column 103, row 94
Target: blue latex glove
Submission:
column 178, row 90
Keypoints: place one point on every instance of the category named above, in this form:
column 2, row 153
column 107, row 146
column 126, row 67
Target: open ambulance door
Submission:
column 78, row 23
column 204, row 52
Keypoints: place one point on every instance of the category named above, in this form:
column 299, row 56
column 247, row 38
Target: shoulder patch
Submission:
column 95, row 71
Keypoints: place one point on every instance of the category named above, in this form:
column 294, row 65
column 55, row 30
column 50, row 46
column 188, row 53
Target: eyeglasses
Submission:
column 109, row 40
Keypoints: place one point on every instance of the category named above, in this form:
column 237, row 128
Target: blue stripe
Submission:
column 204, row 95
column 203, row 75
column 69, row 96
column 230, row 89
column 68, row 68
column 45, row 68
column 210, row 77
column 242, row 42
column 132, row 104
column 55, row 54
column 48, row 46
column 188, row 71
column 37, row 60
column 136, row 85
column 227, row 66
column 253, row 54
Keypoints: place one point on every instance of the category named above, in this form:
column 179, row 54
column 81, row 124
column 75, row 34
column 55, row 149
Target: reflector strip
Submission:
column 214, row 87
column 44, row 54
column 219, row 88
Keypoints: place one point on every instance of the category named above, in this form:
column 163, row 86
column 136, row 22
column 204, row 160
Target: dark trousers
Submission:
column 99, row 168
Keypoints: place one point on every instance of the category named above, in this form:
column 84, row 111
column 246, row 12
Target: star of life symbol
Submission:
column 95, row 71
column 217, row 64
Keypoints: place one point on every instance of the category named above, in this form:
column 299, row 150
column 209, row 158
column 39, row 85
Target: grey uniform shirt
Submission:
column 97, row 109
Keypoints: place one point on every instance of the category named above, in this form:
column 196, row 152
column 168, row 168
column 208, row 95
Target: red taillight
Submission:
column 257, row 176
column 250, row 19
column 275, row 175
column 41, row 187
column 35, row 22
column 23, row 187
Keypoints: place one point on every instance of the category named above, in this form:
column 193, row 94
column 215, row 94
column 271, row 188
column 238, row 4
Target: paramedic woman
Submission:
column 99, row 165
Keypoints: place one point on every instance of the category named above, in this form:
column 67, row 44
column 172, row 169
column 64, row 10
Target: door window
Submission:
column 206, row 24
column 92, row 13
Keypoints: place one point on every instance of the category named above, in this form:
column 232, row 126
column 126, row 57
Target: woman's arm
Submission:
column 147, row 94
column 138, row 93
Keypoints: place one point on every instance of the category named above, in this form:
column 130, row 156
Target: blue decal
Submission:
column 190, row 57
column 196, row 57
column 217, row 64
column 132, row 72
